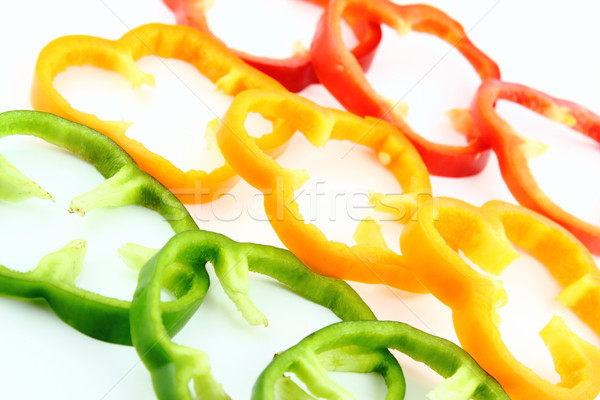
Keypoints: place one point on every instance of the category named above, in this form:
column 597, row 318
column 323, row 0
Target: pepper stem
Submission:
column 135, row 255
column 16, row 187
column 121, row 189
column 350, row 359
column 63, row 265
column 401, row 206
column 232, row 271
column 462, row 121
column 309, row 370
column 195, row 369
column 573, row 357
column 460, row 386
column 286, row 388
column 368, row 232
column 209, row 387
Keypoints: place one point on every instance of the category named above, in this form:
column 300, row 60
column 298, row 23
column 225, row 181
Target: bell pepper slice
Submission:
column 431, row 242
column 370, row 260
column 465, row 379
column 173, row 366
column 211, row 59
column 97, row 316
column 339, row 71
column 295, row 72
column 512, row 149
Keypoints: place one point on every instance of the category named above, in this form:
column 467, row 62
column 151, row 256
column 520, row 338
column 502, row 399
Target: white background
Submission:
column 548, row 45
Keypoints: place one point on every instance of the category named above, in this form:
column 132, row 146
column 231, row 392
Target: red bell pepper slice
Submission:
column 511, row 148
column 339, row 71
column 295, row 72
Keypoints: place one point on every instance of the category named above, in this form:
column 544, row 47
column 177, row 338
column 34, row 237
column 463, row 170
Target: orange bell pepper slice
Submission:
column 370, row 260
column 430, row 244
column 211, row 59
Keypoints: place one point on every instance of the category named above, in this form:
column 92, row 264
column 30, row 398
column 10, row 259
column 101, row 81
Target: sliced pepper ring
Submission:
column 465, row 379
column 295, row 72
column 97, row 316
column 370, row 260
column 512, row 153
column 339, row 71
column 213, row 60
column 173, row 366
column 431, row 243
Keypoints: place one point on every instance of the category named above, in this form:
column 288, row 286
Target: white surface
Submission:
column 549, row 46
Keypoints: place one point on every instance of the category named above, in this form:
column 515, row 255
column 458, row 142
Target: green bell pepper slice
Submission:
column 97, row 316
column 173, row 366
column 465, row 379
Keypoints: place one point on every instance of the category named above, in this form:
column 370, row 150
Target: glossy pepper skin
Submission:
column 289, row 112
column 295, row 72
column 338, row 70
column 512, row 149
column 431, row 244
column 173, row 366
column 97, row 316
column 464, row 378
column 213, row 60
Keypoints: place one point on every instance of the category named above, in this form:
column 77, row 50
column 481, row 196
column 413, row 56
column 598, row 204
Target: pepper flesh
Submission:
column 465, row 379
column 173, row 366
column 431, row 244
column 97, row 316
column 370, row 260
column 295, row 72
column 213, row 60
column 511, row 148
column 338, row 70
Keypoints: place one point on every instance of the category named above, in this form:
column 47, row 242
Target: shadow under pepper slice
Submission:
column 431, row 244
column 339, row 71
column 295, row 72
column 211, row 59
column 173, row 366
column 97, row 316
column 370, row 260
column 512, row 149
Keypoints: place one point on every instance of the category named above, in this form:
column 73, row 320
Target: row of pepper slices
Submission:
column 436, row 228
